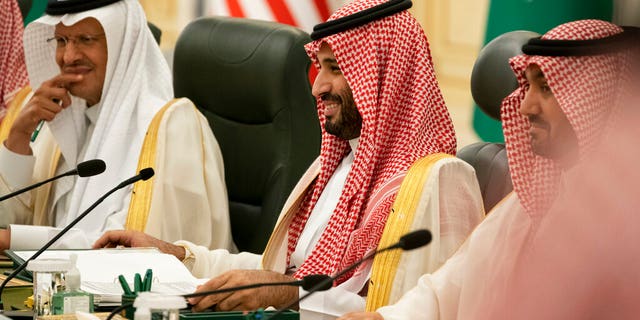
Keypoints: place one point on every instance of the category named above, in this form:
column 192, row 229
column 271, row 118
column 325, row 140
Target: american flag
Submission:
column 300, row 13
column 303, row 14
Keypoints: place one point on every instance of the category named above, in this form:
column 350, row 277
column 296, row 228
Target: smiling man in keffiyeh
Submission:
column 381, row 111
column 104, row 90
column 571, row 84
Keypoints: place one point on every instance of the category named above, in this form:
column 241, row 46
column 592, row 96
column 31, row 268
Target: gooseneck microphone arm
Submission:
column 84, row 169
column 143, row 175
column 409, row 241
column 249, row 286
column 307, row 283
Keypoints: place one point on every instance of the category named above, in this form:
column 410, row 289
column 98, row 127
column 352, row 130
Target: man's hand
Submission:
column 362, row 316
column 51, row 98
column 128, row 238
column 5, row 239
column 249, row 299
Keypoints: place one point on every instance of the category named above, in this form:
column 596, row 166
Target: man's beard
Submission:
column 349, row 123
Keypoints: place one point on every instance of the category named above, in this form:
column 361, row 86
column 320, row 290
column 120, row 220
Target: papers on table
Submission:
column 99, row 270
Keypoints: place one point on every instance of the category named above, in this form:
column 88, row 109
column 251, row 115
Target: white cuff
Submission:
column 16, row 169
column 28, row 237
column 330, row 304
column 24, row 237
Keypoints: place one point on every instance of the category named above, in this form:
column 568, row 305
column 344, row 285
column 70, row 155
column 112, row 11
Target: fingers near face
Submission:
column 83, row 52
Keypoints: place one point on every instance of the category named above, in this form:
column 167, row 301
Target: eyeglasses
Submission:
column 81, row 41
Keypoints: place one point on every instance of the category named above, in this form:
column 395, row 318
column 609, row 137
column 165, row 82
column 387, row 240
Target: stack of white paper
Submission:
column 99, row 270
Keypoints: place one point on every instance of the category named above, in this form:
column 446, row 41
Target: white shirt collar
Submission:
column 354, row 143
column 93, row 112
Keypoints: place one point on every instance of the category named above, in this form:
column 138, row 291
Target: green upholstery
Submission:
column 492, row 78
column 25, row 6
column 157, row 33
column 250, row 79
column 489, row 160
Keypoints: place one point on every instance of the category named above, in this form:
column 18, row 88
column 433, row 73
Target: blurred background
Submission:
column 457, row 30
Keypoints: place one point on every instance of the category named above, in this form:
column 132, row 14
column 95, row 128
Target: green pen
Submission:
column 148, row 278
column 137, row 283
column 35, row 133
column 124, row 284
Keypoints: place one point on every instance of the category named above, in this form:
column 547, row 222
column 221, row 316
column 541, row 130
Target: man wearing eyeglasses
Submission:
column 104, row 91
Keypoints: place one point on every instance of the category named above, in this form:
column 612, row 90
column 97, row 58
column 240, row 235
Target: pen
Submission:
column 35, row 133
column 37, row 130
column 148, row 278
column 124, row 284
column 137, row 283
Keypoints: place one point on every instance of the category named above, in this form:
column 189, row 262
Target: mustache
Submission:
column 328, row 97
column 537, row 120
column 76, row 64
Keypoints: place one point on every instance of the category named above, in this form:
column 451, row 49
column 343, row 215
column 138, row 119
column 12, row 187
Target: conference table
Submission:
column 17, row 292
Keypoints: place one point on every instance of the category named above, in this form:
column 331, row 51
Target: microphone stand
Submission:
column 410, row 241
column 330, row 280
column 306, row 282
column 33, row 186
column 249, row 286
column 84, row 169
column 60, row 234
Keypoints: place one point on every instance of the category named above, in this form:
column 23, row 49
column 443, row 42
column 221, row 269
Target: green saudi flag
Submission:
column 532, row 15
column 36, row 10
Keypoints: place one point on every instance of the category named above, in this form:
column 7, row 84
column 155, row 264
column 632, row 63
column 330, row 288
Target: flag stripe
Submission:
column 217, row 8
column 257, row 10
column 281, row 12
column 323, row 9
column 234, row 9
column 305, row 14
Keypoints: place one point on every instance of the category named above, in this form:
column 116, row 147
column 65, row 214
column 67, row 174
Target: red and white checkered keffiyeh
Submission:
column 587, row 89
column 13, row 72
column 387, row 64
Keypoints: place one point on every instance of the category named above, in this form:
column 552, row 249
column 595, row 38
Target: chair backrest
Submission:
column 157, row 33
column 491, row 81
column 25, row 6
column 250, row 80
column 492, row 78
column 490, row 163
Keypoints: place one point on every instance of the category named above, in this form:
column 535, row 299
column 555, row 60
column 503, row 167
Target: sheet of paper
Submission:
column 99, row 270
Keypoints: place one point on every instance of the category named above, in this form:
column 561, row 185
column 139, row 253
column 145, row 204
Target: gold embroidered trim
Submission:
column 400, row 220
column 142, row 192
column 13, row 111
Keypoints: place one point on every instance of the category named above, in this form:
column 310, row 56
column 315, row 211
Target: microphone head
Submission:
column 146, row 173
column 415, row 239
column 90, row 168
column 312, row 280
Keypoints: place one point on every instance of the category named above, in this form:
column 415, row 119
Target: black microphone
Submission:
column 83, row 169
column 409, row 241
column 143, row 175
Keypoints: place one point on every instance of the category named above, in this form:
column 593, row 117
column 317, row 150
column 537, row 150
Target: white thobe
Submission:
column 19, row 171
column 453, row 191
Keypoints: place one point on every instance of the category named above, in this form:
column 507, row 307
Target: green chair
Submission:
column 250, row 80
